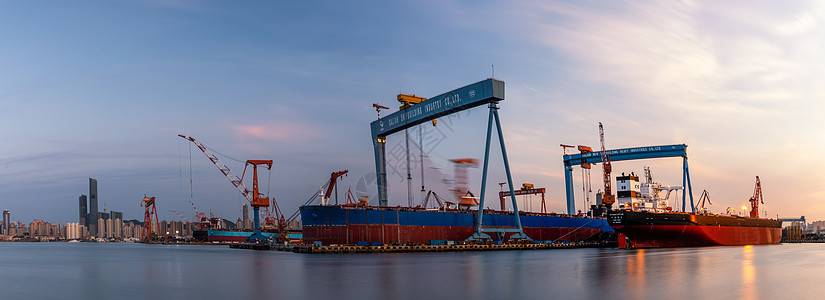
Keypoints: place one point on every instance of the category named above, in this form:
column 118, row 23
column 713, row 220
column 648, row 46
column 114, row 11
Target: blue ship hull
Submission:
column 341, row 224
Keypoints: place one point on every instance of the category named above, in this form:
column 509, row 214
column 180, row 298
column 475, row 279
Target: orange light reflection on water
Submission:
column 748, row 287
column 636, row 280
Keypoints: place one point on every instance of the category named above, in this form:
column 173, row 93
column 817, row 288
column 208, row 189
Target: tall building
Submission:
column 93, row 212
column 101, row 228
column 116, row 215
column 6, row 221
column 104, row 227
column 83, row 210
column 245, row 212
column 246, row 222
column 164, row 228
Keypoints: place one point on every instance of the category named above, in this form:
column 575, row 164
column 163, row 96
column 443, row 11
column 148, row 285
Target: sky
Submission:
column 101, row 89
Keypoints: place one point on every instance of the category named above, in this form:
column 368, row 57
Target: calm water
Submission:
column 137, row 271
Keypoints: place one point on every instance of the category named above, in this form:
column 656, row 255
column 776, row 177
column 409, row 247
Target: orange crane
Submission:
column 756, row 199
column 253, row 196
column 564, row 148
column 608, row 198
column 151, row 211
column 378, row 108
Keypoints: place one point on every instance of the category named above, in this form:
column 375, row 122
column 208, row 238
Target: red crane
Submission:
column 253, row 196
column 756, row 199
column 333, row 178
column 201, row 221
column 607, row 198
column 151, row 211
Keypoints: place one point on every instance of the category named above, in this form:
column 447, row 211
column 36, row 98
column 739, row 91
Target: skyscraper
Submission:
column 83, row 210
column 245, row 218
column 6, row 221
column 93, row 212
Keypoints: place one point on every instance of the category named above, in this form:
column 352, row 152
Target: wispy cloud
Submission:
column 288, row 133
column 735, row 78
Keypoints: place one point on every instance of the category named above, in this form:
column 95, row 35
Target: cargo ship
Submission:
column 647, row 220
column 351, row 225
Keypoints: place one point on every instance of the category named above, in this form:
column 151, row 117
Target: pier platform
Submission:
column 351, row 249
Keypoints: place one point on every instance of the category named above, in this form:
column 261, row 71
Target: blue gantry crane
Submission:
column 648, row 152
column 486, row 92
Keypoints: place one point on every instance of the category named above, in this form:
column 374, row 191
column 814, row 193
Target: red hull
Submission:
column 650, row 236
column 386, row 234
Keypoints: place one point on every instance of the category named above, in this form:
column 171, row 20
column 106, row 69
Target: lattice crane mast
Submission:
column 607, row 198
column 756, row 198
column 253, row 196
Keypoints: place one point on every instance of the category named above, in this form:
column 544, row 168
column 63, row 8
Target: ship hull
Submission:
column 232, row 236
column 348, row 225
column 671, row 229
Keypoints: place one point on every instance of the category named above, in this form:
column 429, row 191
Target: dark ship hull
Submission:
column 673, row 229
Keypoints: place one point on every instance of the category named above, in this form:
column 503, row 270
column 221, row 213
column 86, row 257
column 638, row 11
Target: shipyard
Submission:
column 412, row 150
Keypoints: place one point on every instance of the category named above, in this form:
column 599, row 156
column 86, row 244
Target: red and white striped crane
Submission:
column 253, row 196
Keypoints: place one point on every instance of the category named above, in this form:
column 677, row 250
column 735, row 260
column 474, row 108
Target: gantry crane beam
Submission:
column 480, row 93
column 637, row 153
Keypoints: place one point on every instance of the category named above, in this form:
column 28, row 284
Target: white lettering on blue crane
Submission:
column 479, row 93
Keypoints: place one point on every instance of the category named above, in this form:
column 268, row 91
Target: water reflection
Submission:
column 748, row 274
column 636, row 271
column 89, row 271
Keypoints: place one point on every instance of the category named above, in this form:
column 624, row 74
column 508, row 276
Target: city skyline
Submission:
column 102, row 90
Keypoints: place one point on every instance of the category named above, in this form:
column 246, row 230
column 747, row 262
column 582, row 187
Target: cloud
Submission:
column 700, row 58
column 288, row 133
column 740, row 84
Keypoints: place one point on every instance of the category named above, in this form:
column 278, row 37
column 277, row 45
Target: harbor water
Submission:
column 138, row 271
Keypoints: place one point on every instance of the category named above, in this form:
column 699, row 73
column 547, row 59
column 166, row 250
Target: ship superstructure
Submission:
column 645, row 196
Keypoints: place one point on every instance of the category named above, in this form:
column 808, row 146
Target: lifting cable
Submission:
column 221, row 154
column 270, row 183
column 180, row 168
column 190, row 172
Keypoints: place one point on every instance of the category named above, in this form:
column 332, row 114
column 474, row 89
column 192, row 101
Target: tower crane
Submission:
column 564, row 148
column 253, row 196
column 378, row 108
column 608, row 198
column 756, row 199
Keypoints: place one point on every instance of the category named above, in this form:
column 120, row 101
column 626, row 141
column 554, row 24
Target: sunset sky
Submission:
column 102, row 88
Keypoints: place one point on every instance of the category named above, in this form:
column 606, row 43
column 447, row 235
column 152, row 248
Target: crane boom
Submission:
column 333, row 178
column 608, row 198
column 253, row 196
column 233, row 178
